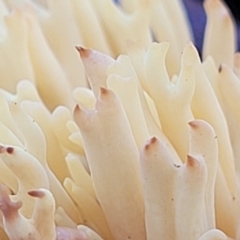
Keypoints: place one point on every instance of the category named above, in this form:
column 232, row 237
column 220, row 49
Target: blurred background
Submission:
column 197, row 18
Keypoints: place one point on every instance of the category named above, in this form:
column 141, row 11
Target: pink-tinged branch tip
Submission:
column 84, row 53
column 147, row 146
column 151, row 142
column 36, row 193
column 76, row 112
column 10, row 150
column 80, row 116
column 193, row 124
column 191, row 161
column 105, row 94
column 76, row 109
column 103, row 91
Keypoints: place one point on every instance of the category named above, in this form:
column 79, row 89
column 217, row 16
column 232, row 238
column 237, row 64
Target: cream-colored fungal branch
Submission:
column 219, row 21
column 101, row 149
column 112, row 127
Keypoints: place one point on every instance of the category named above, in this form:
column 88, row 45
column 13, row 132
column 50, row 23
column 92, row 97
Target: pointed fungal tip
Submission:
column 84, row 52
column 78, row 48
column 77, row 111
column 76, row 108
column 147, row 146
column 193, row 124
column 36, row 193
column 80, row 116
column 151, row 142
column 10, row 150
column 104, row 94
column 103, row 91
column 191, row 161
